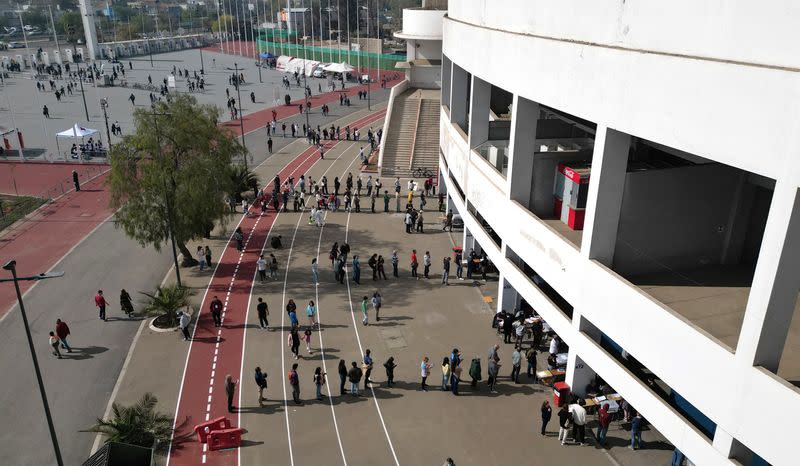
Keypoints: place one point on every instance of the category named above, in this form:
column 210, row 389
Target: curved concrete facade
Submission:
column 711, row 79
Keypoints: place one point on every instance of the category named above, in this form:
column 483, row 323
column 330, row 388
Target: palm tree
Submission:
column 242, row 180
column 166, row 301
column 138, row 424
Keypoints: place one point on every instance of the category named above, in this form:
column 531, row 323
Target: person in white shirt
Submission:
column 554, row 345
column 183, row 322
column 261, row 263
column 578, row 421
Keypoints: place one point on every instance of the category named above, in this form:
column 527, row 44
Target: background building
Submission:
column 632, row 171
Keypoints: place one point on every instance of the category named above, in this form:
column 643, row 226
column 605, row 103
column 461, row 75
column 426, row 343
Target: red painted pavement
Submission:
column 226, row 343
column 49, row 233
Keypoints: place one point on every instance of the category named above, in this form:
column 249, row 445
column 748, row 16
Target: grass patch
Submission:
column 13, row 208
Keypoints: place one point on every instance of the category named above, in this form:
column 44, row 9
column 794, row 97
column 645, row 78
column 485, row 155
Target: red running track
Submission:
column 34, row 178
column 218, row 351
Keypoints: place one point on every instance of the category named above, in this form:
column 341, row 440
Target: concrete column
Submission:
column 447, row 73
column 723, row 442
column 90, row 34
column 459, row 96
column 524, row 117
column 506, row 295
column 479, row 112
column 606, row 187
column 579, row 374
column 773, row 294
column 468, row 242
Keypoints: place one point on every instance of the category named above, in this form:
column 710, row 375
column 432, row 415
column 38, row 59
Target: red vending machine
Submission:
column 570, row 192
column 560, row 393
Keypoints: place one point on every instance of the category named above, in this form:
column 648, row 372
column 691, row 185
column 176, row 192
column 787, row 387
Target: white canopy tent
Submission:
column 342, row 67
column 77, row 131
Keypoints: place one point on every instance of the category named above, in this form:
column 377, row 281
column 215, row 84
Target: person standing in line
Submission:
column 311, row 313
column 516, row 364
column 386, row 201
column 319, row 381
column 414, row 264
column 564, row 419
column 293, row 341
column 273, row 267
column 100, row 302
column 373, row 264
column 578, row 421
column 342, row 376
column 261, row 265
column 62, row 332
column 493, row 369
column 294, row 381
column 355, row 378
column 446, row 271
column 475, row 371
column 445, row 372
column 426, row 263
column 420, row 222
column 314, row 271
column 459, row 265
column 356, row 270
column 408, row 221
column 381, row 270
column 547, row 413
column 425, row 370
column 261, row 383
column 201, row 258
column 364, row 311
column 216, row 311
column 183, row 322
column 389, row 365
column 230, row 390
column 377, row 302
column 367, row 369
column 263, row 312
column 208, row 256
column 636, row 431
column 54, row 342
column 395, row 261
column 307, row 339
column 603, row 421
column 530, row 356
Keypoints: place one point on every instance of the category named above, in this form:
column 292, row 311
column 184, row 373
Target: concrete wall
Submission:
column 674, row 218
column 426, row 77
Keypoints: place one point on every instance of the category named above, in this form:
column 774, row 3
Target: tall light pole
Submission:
column 81, row 74
column 104, row 106
column 12, row 267
column 241, row 109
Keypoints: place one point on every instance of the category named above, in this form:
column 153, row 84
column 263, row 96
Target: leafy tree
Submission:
column 172, row 171
column 139, row 424
column 242, row 180
column 35, row 17
column 166, row 301
column 221, row 22
column 71, row 19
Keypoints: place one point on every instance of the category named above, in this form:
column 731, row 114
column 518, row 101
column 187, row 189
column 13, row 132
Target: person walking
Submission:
column 367, row 369
column 53, row 341
column 100, row 302
column 445, row 372
column 354, row 375
column 293, row 341
column 356, row 270
column 76, row 181
column 294, row 381
column 62, row 332
column 636, row 431
column 603, row 422
column 216, row 311
column 425, row 370
column 426, row 264
column 395, row 260
column 263, row 312
column 273, row 267
column 208, row 256
column 381, row 270
column 291, row 310
column 516, row 364
column 389, row 365
column 201, row 258
column 414, row 264
column 307, row 339
column 261, row 384
column 314, row 271
column 230, row 390
column 377, row 302
column 459, row 265
column 446, row 271
column 261, row 265
column 547, row 413
column 364, row 311
column 183, row 322
column 342, row 376
column 319, row 381
column 373, row 264
column 239, row 237
column 564, row 420
column 311, row 313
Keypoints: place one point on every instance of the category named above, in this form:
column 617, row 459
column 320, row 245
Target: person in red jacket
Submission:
column 100, row 302
column 62, row 330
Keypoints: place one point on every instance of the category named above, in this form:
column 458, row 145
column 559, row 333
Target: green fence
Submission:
column 325, row 54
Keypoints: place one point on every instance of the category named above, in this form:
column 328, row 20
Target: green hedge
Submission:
column 324, row 54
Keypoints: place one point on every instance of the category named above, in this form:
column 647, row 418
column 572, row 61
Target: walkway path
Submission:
column 216, row 352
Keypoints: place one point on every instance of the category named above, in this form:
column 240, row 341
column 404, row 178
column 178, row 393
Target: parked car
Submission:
column 458, row 222
column 319, row 72
column 16, row 45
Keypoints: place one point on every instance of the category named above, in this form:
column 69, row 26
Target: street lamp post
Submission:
column 104, row 106
column 202, row 66
column 241, row 108
column 12, row 267
column 81, row 74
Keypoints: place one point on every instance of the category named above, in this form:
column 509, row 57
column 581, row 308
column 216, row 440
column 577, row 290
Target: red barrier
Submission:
column 222, row 439
column 203, row 430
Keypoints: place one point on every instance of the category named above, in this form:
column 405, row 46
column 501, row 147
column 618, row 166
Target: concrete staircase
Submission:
column 426, row 145
column 400, row 135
